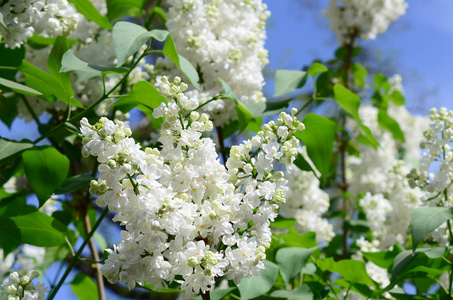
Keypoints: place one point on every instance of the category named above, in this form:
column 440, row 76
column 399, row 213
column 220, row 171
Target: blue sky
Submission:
column 421, row 43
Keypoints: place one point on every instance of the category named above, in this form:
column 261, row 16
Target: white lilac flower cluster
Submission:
column 437, row 155
column 95, row 46
column 49, row 18
column 363, row 18
column 186, row 217
column 222, row 39
column 306, row 202
column 437, row 145
column 389, row 212
column 380, row 174
column 19, row 286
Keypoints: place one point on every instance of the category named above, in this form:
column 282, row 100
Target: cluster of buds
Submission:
column 19, row 286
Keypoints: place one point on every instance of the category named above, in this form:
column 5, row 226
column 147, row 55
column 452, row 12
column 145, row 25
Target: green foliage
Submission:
column 353, row 271
column 10, row 58
column 259, row 285
column 47, row 84
column 291, row 261
column 244, row 115
column 425, row 220
column 143, row 94
column 301, row 293
column 19, row 88
column 388, row 123
column 8, row 108
column 350, row 102
column 74, row 183
column 1, row 20
column 46, row 169
column 286, row 81
column 316, row 68
column 86, row 8
column 383, row 259
column 360, row 75
column 117, row 9
column 54, row 66
column 84, row 287
column 70, row 62
column 35, row 228
column 129, row 37
column 318, row 137
column 275, row 107
column 160, row 12
column 9, row 150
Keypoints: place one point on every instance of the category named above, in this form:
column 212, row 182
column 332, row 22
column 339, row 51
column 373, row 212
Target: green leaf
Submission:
column 46, row 169
column 380, row 82
column 19, row 88
column 256, row 109
column 301, row 293
column 407, row 261
column 291, row 261
column 45, row 83
column 255, row 286
column 129, row 37
column 39, row 42
column 353, row 271
column 1, row 20
column 182, row 63
column 84, row 287
column 8, row 108
column 425, row 220
column 316, row 68
column 255, row 124
column 36, row 229
column 326, row 264
column 275, row 107
column 424, row 261
column 350, row 102
column 286, row 81
column 360, row 75
column 294, row 239
column 161, row 13
column 15, row 205
column 9, row 150
column 383, row 259
column 143, row 93
column 244, row 116
column 86, row 8
column 397, row 98
column 54, row 66
column 318, row 137
column 117, row 9
column 74, row 183
column 10, row 58
column 283, row 223
column 70, row 62
column 388, row 123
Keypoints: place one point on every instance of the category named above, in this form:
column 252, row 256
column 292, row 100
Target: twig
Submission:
column 76, row 257
column 95, row 255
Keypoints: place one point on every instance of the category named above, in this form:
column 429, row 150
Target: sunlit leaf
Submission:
column 46, row 169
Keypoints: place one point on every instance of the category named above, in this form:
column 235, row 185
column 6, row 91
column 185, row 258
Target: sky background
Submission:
column 419, row 45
